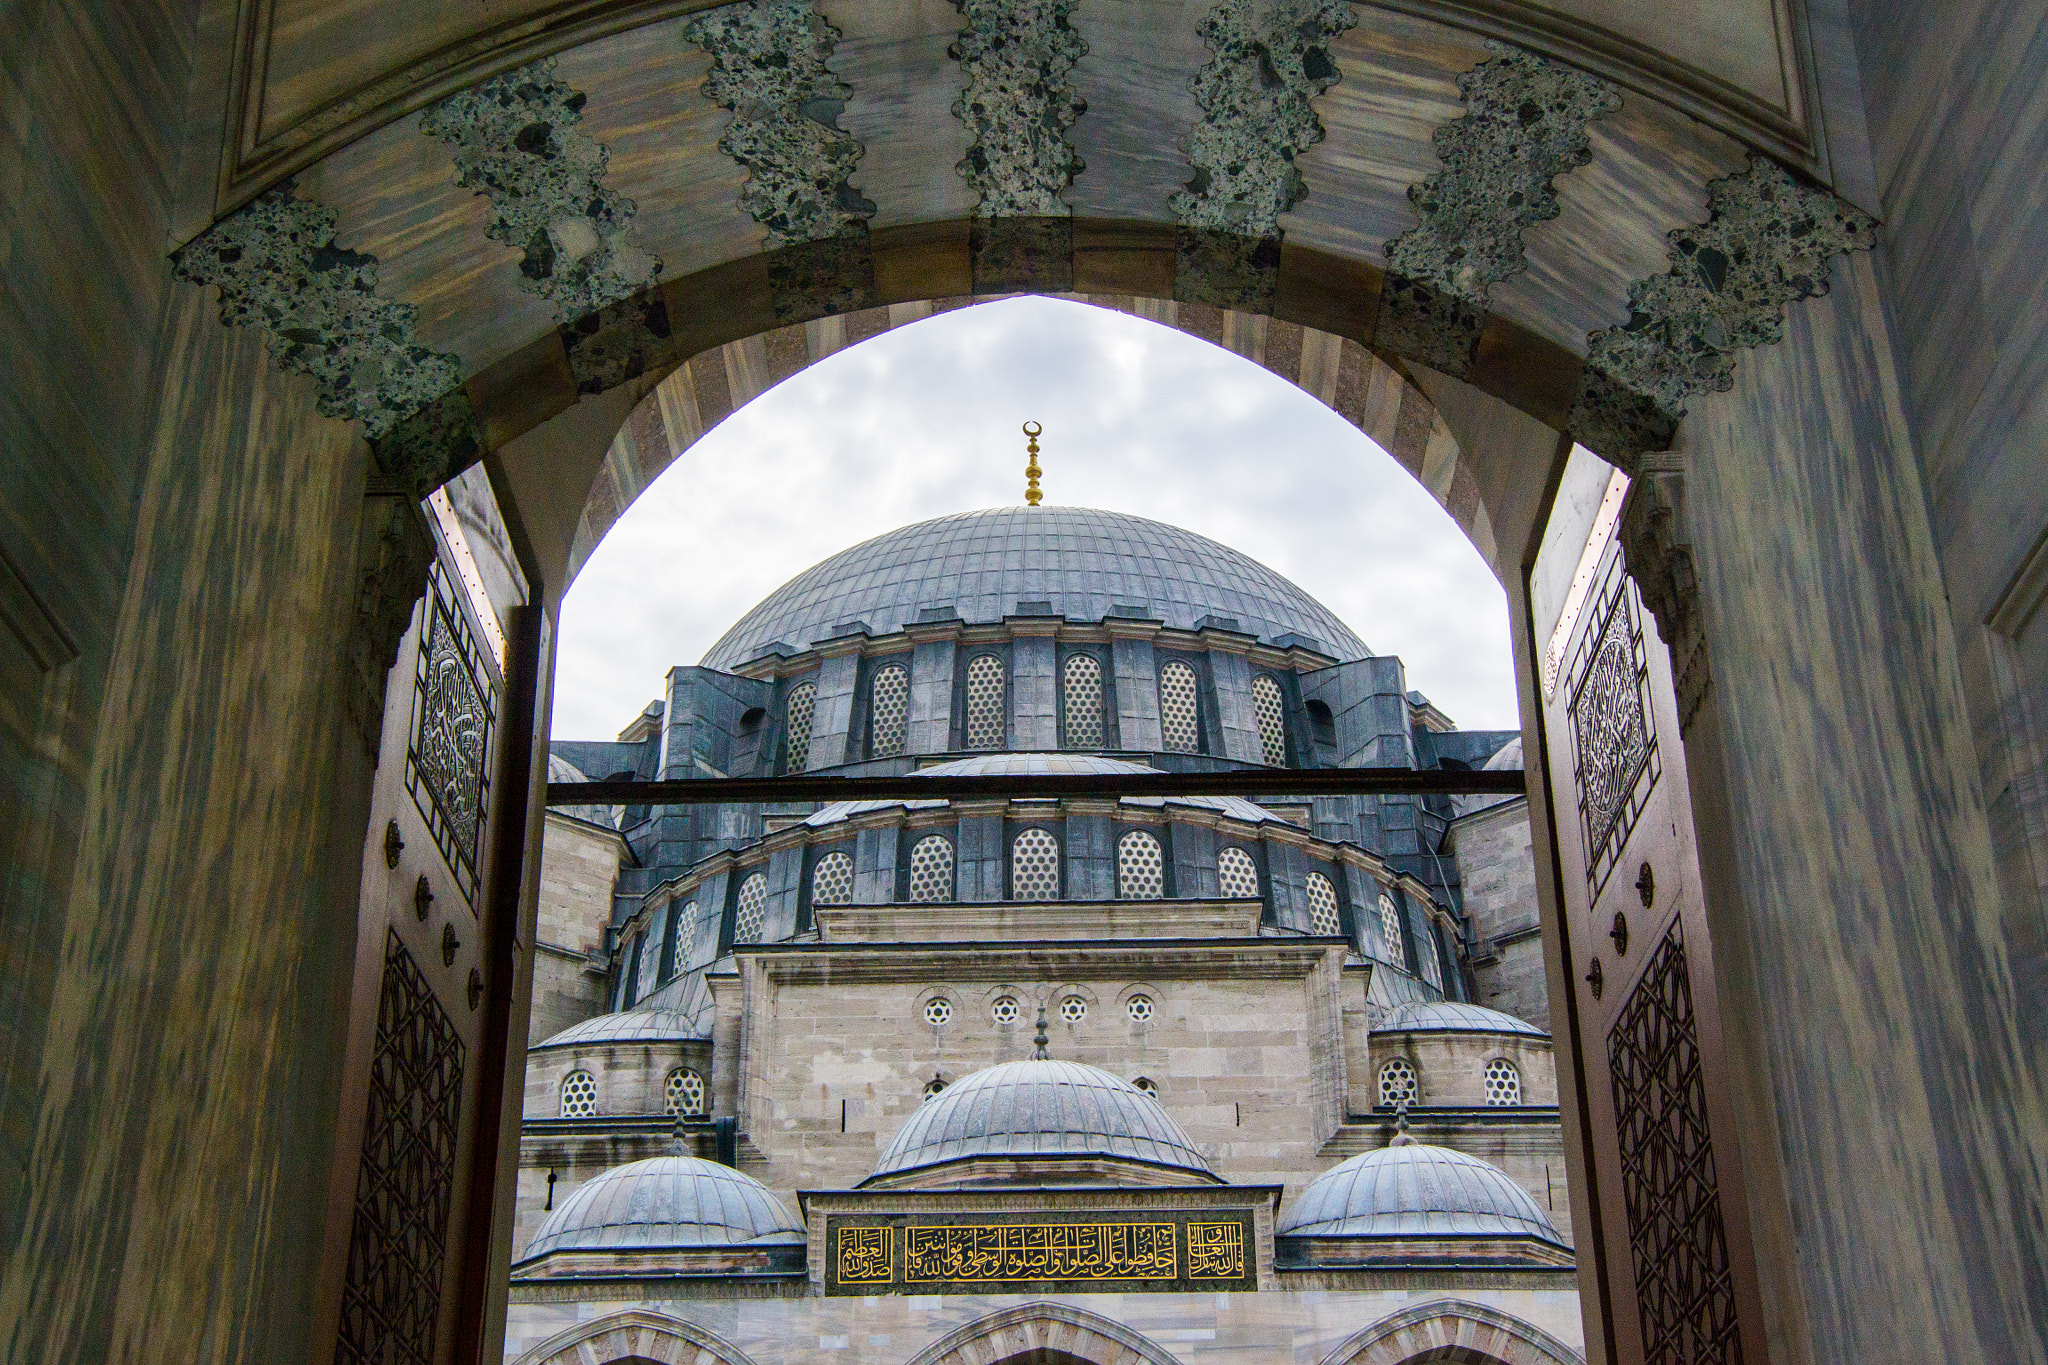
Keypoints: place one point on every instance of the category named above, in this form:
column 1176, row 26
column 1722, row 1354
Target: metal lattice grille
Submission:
column 1138, row 1009
column 985, row 702
column 931, row 869
column 938, row 1011
column 1614, row 738
column 753, row 907
column 454, row 704
column 1503, row 1082
column 1272, row 728
column 391, row 1298
column 803, row 704
column 1237, row 876
column 1398, row 1082
column 579, row 1095
column 682, row 1094
column 1140, row 867
column 888, row 710
column 1035, row 867
column 1004, row 1010
column 1073, row 1009
column 1180, row 712
column 1322, row 905
column 1083, row 696
column 1390, row 930
column 1685, row 1289
column 832, row 880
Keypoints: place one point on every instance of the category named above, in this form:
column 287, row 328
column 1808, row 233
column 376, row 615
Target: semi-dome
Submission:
column 1415, row 1191
column 1442, row 1016
column 1075, row 562
column 665, row 1202
column 628, row 1026
column 1003, row 765
column 1041, row 1109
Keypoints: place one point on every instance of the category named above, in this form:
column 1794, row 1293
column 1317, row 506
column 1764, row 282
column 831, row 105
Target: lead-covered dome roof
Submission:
column 1076, row 562
column 1000, row 765
column 666, row 1201
column 1441, row 1016
column 1416, row 1191
column 627, row 1026
column 1041, row 1108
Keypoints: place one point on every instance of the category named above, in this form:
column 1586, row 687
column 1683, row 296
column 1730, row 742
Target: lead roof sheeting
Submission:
column 1082, row 560
column 1447, row 1015
column 672, row 1201
column 631, row 1026
column 1417, row 1191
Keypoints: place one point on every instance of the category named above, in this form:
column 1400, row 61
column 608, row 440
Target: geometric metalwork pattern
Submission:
column 579, row 1095
column 1083, row 697
column 682, row 1094
column 1322, row 906
column 1237, row 876
column 1180, row 730
column 1503, row 1082
column 803, row 704
column 1398, row 1082
column 1035, row 867
column 1004, row 1010
column 888, row 710
column 397, row 1247
column 1073, row 1009
column 1390, row 929
column 832, row 880
column 931, row 869
column 753, row 908
column 1272, row 729
column 1685, row 1290
column 1614, row 739
column 985, row 702
column 938, row 1011
column 453, row 708
column 685, row 935
column 1138, row 1008
column 1140, row 868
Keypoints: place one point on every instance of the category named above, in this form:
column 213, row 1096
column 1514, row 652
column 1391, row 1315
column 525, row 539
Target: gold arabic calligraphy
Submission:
column 1215, row 1251
column 1040, row 1251
column 864, row 1255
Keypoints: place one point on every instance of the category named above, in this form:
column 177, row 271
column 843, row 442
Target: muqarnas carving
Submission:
column 1267, row 62
column 1524, row 125
column 1767, row 241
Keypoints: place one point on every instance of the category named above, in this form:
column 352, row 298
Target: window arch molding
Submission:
column 1451, row 1329
column 630, row 1338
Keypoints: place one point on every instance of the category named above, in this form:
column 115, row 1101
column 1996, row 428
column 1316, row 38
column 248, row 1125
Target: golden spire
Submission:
column 1031, row 470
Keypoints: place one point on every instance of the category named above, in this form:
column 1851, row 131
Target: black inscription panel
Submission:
column 936, row 1253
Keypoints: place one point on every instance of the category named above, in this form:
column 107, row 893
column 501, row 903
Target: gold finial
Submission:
column 1031, row 470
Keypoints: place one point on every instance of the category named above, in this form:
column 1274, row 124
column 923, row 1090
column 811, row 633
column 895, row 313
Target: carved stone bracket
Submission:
column 393, row 552
column 1660, row 562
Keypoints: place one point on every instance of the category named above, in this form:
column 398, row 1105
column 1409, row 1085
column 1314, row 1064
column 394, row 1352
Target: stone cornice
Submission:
column 1036, row 921
column 1190, row 959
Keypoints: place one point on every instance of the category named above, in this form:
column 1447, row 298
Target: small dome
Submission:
column 1041, row 1108
column 668, row 1201
column 630, row 1026
column 1507, row 758
column 1004, row 765
column 1442, row 1016
column 1416, row 1191
column 562, row 770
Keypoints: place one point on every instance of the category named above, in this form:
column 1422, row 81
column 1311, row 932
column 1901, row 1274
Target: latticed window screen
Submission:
column 1237, row 876
column 682, row 1094
column 1140, row 867
column 931, row 869
column 1073, row 1009
column 1390, row 929
column 1503, row 1082
column 1083, row 695
column 1138, row 1009
column 579, row 1095
column 888, row 710
column 1004, row 1010
column 753, row 908
column 803, row 704
column 686, row 937
column 938, row 1011
column 832, row 880
column 1272, row 728
column 1398, row 1082
column 985, row 702
column 1180, row 712
column 1035, row 866
column 1322, row 905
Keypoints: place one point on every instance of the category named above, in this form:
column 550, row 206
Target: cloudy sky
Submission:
column 922, row 421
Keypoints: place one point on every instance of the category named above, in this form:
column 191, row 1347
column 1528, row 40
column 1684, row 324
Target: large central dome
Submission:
column 1078, row 562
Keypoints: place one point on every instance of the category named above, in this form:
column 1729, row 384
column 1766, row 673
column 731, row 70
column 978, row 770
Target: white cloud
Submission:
column 922, row 421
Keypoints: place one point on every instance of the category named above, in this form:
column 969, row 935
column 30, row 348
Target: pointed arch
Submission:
column 1042, row 1327
column 1452, row 1332
column 636, row 1337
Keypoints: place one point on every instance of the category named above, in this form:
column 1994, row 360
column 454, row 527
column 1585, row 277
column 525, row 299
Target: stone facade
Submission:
column 579, row 867
column 1499, row 870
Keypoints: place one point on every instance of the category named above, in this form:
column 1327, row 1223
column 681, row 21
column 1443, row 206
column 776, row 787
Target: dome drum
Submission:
column 1465, row 1056
column 628, row 1059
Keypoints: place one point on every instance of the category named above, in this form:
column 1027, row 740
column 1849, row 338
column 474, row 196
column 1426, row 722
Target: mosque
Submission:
column 895, row 1080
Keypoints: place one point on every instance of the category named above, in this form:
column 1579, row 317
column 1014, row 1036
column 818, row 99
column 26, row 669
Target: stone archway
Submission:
column 1043, row 1334
column 636, row 1337
column 1452, row 1332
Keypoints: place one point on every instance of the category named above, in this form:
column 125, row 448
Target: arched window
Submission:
column 1140, row 867
column 832, row 880
column 1180, row 710
column 888, row 710
column 985, row 702
column 803, row 704
column 686, row 937
column 1272, row 727
column 579, row 1095
column 1082, row 695
column 1237, row 876
column 1035, row 867
column 1139, row 1009
column 1398, row 1082
column 1322, row 905
column 1390, row 929
column 1503, row 1082
column 931, row 869
column 682, row 1094
column 1322, row 724
column 753, row 908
